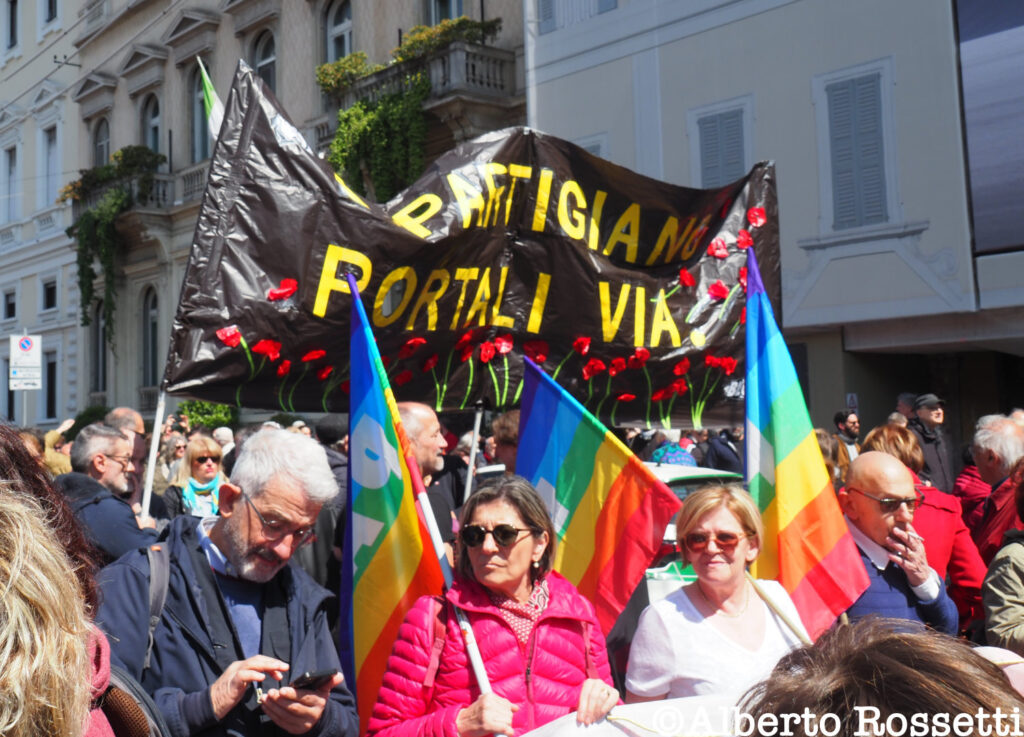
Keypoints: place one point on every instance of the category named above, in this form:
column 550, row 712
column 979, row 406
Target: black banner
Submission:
column 629, row 291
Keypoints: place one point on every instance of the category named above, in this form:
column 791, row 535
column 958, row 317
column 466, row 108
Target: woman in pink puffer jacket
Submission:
column 541, row 644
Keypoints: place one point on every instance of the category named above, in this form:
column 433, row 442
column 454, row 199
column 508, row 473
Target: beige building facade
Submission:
column 138, row 84
column 38, row 156
column 859, row 105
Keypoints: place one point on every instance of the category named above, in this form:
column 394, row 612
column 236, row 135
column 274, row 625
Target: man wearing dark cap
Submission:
column 926, row 424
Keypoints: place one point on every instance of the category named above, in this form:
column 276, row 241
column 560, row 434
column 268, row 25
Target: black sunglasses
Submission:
column 891, row 505
column 204, row 459
column 504, row 535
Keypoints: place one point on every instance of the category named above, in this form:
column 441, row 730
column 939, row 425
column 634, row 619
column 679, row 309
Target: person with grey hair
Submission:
column 225, row 438
column 239, row 622
column 98, row 491
column 128, row 421
column 998, row 446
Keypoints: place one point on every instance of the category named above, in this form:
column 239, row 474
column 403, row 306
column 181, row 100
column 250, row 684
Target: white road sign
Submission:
column 26, row 362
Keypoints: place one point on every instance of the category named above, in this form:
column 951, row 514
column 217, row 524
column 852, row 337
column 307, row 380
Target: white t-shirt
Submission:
column 676, row 651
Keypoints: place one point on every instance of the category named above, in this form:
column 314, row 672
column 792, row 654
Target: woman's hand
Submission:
column 489, row 714
column 596, row 699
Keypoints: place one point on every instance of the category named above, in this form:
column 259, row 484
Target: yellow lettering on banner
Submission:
column 329, row 281
column 573, row 222
column 662, row 322
column 430, row 203
column 402, row 273
column 494, row 193
column 498, row 320
column 467, row 195
column 670, row 236
column 515, row 171
column 465, row 276
column 695, row 236
column 639, row 316
column 610, row 321
column 595, row 220
column 483, row 296
column 540, row 213
column 540, row 298
column 429, row 298
column 627, row 231
column 347, row 191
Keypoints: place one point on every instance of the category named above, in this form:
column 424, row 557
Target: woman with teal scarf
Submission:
column 194, row 490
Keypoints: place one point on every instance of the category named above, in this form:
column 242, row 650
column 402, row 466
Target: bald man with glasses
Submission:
column 879, row 501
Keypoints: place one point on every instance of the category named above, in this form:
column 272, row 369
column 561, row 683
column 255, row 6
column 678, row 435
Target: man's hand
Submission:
column 66, row 425
column 229, row 690
column 297, row 710
column 906, row 549
column 596, row 699
column 489, row 714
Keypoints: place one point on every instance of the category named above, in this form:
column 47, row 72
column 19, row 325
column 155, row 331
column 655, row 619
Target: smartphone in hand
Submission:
column 313, row 680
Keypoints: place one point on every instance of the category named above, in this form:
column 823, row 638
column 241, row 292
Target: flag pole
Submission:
column 154, row 448
column 473, row 450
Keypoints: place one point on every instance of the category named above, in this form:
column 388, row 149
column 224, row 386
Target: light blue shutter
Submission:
column 603, row 6
column 546, row 15
column 722, row 158
column 858, row 164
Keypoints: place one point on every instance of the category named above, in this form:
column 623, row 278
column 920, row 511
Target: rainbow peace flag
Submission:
column 609, row 511
column 389, row 561
column 807, row 545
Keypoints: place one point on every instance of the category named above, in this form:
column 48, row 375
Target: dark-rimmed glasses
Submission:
column 697, row 542
column 891, row 505
column 274, row 530
column 204, row 459
column 504, row 535
column 123, row 460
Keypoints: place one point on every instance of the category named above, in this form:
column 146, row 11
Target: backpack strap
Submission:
column 159, row 576
column 437, row 604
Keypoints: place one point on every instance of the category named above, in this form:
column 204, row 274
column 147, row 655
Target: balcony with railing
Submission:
column 153, row 191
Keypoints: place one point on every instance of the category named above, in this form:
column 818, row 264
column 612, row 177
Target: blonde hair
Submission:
column 199, row 445
column 710, row 498
column 45, row 673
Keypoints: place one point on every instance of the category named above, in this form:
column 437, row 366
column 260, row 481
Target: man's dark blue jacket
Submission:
column 195, row 641
column 108, row 520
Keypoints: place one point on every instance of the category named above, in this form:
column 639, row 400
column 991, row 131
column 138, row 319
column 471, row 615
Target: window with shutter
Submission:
column 857, row 152
column 722, row 158
column 546, row 15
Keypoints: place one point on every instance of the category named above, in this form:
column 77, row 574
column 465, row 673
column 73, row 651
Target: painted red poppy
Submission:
column 503, row 343
column 625, row 398
column 743, row 278
column 592, row 368
column 466, row 353
column 639, row 358
column 464, row 341
column 411, row 346
column 404, row 378
column 683, row 367
column 743, row 239
column 284, row 367
column 686, row 278
column 345, row 386
column 323, row 373
column 718, row 290
column 662, row 394
column 487, row 351
column 618, row 364
column 269, row 348
column 718, row 248
column 712, row 361
column 728, row 365
column 581, row 345
column 536, row 350
column 430, row 363
column 229, row 336
column 679, row 386
column 315, row 354
column 286, row 290
column 386, row 360
column 756, row 216
column 743, row 316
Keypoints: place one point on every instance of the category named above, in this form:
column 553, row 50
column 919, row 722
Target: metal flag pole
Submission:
column 473, row 450
column 154, row 449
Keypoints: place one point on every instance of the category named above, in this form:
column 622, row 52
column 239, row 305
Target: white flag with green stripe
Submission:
column 214, row 107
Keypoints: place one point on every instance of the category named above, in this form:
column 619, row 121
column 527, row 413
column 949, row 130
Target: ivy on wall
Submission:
column 108, row 189
column 379, row 144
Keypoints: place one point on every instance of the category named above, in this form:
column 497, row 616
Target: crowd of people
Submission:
column 223, row 591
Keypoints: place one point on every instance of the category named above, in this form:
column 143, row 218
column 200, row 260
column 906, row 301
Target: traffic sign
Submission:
column 26, row 363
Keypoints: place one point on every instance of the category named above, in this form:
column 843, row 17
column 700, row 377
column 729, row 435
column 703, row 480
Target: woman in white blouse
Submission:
column 722, row 633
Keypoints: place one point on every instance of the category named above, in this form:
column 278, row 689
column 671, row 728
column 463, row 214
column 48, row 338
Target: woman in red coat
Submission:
column 540, row 641
column 947, row 541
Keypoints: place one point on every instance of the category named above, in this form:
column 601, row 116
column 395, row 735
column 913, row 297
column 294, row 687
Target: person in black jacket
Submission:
column 239, row 621
column 725, row 452
column 929, row 413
